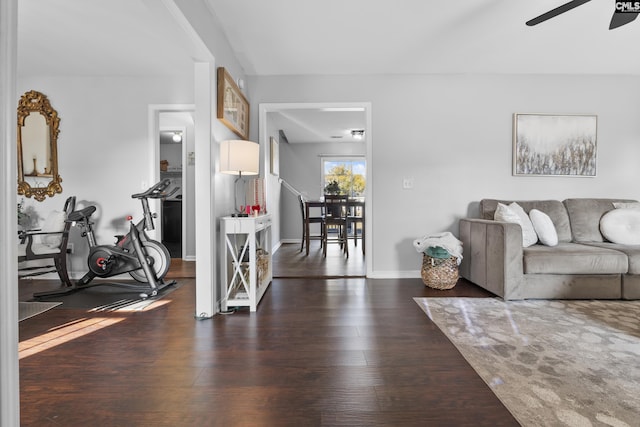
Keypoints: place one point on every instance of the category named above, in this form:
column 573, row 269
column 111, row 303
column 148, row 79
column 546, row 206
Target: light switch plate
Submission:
column 407, row 183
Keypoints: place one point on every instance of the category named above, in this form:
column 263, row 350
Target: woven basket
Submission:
column 262, row 258
column 439, row 273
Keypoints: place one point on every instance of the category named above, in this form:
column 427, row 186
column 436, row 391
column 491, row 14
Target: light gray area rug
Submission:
column 32, row 308
column 552, row 363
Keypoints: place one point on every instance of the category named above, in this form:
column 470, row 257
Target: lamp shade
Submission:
column 239, row 157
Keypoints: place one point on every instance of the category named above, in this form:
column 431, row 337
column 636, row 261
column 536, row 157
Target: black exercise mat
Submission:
column 107, row 297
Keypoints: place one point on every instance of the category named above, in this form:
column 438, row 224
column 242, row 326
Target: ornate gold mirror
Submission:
column 38, row 147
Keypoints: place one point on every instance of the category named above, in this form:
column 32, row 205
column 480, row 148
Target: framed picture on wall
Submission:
column 233, row 107
column 274, row 156
column 554, row 145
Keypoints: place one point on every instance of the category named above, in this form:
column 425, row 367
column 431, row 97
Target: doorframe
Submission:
column 9, row 362
column 154, row 158
column 264, row 142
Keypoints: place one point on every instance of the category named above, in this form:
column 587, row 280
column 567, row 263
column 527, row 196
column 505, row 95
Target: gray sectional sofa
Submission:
column 584, row 265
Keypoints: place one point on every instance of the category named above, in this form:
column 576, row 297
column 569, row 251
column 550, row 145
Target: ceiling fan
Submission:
column 624, row 12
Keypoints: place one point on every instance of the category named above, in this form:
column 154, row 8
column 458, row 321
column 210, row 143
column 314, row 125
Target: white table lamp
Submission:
column 239, row 157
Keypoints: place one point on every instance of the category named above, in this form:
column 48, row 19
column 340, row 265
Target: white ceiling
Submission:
column 425, row 36
column 287, row 37
column 313, row 124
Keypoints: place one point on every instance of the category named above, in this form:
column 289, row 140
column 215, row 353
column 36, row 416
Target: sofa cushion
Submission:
column 621, row 226
column 544, row 227
column 573, row 258
column 554, row 208
column 631, row 251
column 585, row 217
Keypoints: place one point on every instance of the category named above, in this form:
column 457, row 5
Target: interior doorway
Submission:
column 306, row 134
column 172, row 130
column 173, row 166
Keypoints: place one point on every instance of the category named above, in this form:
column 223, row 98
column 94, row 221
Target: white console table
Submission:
column 246, row 260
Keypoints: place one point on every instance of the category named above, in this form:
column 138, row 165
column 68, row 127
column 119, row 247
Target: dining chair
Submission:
column 355, row 221
column 307, row 220
column 335, row 222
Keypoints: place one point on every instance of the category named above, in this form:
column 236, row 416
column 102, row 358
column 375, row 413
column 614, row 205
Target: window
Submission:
column 344, row 176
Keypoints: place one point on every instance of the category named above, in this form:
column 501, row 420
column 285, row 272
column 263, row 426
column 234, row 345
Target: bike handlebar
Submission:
column 175, row 189
column 155, row 192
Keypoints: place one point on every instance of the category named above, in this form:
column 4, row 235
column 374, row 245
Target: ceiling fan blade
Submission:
column 619, row 19
column 557, row 11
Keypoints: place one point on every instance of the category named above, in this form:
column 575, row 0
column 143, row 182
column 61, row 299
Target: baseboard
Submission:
column 407, row 274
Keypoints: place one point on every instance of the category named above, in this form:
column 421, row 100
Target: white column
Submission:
column 9, row 368
column 206, row 236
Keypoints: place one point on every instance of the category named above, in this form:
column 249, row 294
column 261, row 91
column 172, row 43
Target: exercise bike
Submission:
column 147, row 261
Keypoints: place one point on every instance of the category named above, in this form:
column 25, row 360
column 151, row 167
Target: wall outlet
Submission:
column 70, row 248
column 407, row 183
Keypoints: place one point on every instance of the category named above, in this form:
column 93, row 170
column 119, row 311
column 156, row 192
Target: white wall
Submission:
column 453, row 135
column 274, row 190
column 103, row 145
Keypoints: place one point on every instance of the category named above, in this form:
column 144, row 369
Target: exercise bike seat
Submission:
column 82, row 214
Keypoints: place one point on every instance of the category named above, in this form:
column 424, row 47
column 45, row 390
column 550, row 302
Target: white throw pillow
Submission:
column 505, row 214
column 529, row 236
column 544, row 227
column 516, row 215
column 621, row 226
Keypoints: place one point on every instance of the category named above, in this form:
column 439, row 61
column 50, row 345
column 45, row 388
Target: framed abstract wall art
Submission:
column 233, row 107
column 554, row 145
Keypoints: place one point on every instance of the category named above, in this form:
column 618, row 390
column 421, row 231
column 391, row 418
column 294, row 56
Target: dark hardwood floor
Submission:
column 318, row 352
column 289, row 261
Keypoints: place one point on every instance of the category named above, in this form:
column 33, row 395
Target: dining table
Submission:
column 353, row 205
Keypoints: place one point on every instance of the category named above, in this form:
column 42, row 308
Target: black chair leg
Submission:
column 345, row 237
column 324, row 244
column 355, row 234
